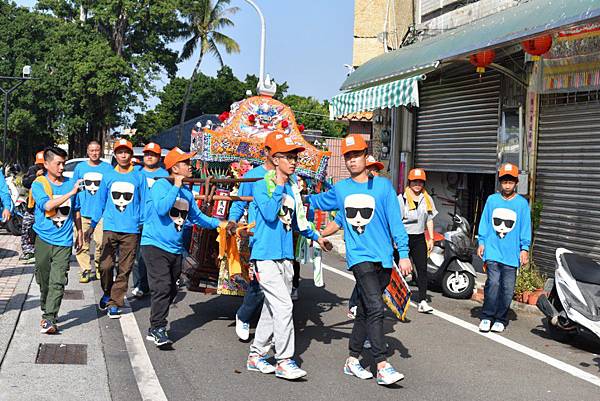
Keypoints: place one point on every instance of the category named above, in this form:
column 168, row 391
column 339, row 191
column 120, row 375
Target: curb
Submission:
column 10, row 318
column 514, row 305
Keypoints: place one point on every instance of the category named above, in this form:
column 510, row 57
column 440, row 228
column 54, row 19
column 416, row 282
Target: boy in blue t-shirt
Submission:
column 91, row 172
column 56, row 210
column 151, row 170
column 279, row 210
column 121, row 203
column 254, row 297
column 371, row 221
column 504, row 239
column 170, row 205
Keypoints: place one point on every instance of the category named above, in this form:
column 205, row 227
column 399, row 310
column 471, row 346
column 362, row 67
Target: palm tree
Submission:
column 204, row 20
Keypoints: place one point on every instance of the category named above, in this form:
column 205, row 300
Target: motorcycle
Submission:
column 450, row 263
column 571, row 300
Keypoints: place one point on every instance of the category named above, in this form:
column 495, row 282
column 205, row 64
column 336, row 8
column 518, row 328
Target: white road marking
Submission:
column 565, row 367
column 145, row 376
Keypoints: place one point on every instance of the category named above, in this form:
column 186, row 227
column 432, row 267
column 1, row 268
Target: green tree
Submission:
column 314, row 115
column 209, row 95
column 204, row 21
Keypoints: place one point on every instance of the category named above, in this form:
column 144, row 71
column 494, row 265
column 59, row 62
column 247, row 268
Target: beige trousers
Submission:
column 83, row 256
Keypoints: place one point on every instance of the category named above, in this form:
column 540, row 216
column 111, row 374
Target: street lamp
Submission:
column 265, row 85
column 26, row 76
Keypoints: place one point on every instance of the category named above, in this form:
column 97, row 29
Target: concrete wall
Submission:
column 464, row 15
column 369, row 21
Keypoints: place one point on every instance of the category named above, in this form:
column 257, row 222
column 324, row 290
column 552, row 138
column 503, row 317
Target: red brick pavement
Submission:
column 10, row 268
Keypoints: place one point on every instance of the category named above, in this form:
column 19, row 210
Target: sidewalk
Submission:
column 78, row 369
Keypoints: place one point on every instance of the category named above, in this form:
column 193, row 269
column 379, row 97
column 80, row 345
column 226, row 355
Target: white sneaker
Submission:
column 424, row 307
column 498, row 327
column 294, row 294
column 354, row 368
column 242, row 329
column 484, row 325
column 388, row 375
column 257, row 363
column 287, row 369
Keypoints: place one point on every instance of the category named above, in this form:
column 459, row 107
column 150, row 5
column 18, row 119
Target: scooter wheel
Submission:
column 558, row 334
column 458, row 286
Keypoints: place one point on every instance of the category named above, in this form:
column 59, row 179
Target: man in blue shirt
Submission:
column 150, row 171
column 371, row 221
column 56, row 209
column 121, row 203
column 253, row 299
column 170, row 205
column 504, row 240
column 91, row 172
column 7, row 205
column 279, row 210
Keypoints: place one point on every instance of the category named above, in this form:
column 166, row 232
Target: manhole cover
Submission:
column 73, row 294
column 63, row 354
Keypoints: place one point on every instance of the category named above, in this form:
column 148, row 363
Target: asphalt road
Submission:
column 440, row 359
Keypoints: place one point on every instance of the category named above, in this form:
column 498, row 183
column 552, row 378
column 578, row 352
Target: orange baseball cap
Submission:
column 175, row 156
column 39, row 157
column 122, row 143
column 372, row 162
column 508, row 169
column 352, row 143
column 153, row 147
column 417, row 174
column 272, row 137
column 285, row 144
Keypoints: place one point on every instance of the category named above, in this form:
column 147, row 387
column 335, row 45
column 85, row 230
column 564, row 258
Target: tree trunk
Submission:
column 186, row 99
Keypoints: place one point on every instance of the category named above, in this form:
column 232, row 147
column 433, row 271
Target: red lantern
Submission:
column 301, row 128
column 537, row 46
column 224, row 116
column 482, row 59
column 252, row 119
column 284, row 124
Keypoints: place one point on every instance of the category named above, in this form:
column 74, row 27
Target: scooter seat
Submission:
column 582, row 268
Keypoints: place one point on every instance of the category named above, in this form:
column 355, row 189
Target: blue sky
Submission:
column 308, row 42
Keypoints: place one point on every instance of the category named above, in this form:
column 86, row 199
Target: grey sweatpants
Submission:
column 276, row 322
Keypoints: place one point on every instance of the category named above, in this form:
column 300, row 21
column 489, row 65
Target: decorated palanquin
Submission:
column 242, row 134
column 227, row 152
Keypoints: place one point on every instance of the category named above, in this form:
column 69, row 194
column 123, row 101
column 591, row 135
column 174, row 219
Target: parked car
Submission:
column 72, row 163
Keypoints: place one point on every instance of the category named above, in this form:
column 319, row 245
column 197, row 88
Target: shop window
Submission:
column 510, row 137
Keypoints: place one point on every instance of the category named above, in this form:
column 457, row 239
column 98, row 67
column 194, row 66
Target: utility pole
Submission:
column 20, row 81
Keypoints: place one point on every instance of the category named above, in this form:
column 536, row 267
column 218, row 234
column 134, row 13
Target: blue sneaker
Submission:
column 287, row 369
column 159, row 337
column 103, row 304
column 114, row 312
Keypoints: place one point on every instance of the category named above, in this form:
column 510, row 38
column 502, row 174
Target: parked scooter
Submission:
column 572, row 303
column 450, row 263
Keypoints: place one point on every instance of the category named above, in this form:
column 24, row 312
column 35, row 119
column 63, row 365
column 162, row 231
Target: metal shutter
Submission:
column 568, row 177
column 457, row 124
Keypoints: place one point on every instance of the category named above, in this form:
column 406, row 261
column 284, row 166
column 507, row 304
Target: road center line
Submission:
column 565, row 367
column 145, row 375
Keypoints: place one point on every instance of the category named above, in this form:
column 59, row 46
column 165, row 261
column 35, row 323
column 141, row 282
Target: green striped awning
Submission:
column 402, row 92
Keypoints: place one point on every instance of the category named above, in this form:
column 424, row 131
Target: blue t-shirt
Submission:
column 121, row 202
column 236, row 211
column 151, row 175
column 370, row 218
column 58, row 229
column 275, row 219
column 505, row 229
column 5, row 194
column 92, row 178
column 169, row 208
